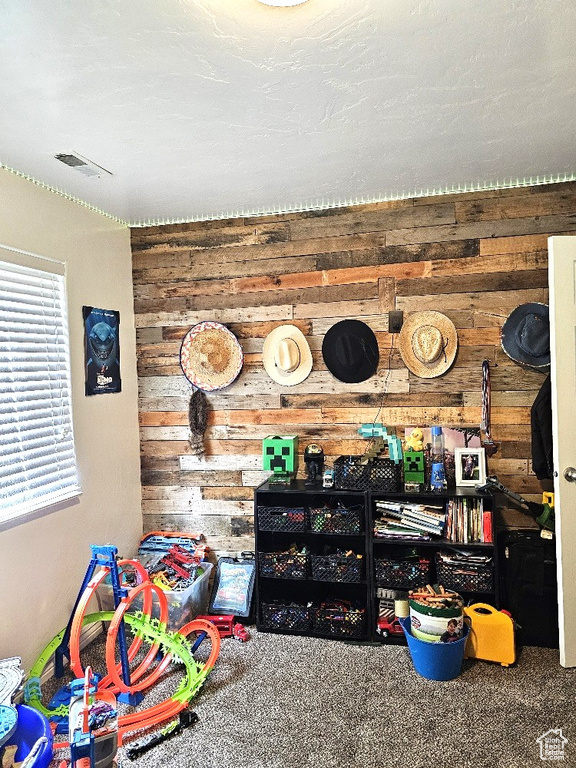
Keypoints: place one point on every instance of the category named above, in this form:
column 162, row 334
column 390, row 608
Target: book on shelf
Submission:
column 420, row 519
column 467, row 522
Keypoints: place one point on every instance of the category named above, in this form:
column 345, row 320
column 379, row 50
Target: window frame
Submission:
column 40, row 505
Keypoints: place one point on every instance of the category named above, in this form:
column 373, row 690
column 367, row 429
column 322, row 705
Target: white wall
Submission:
column 42, row 561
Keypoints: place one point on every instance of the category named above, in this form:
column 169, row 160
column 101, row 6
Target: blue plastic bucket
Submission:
column 435, row 661
column 32, row 725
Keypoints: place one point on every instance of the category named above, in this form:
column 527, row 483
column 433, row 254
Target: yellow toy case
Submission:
column 491, row 634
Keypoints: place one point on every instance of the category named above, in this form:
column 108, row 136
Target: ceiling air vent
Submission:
column 81, row 164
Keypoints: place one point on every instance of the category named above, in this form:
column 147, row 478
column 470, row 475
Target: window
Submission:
column 37, row 458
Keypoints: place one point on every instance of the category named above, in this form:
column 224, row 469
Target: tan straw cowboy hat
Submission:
column 428, row 343
column 286, row 355
column 210, row 356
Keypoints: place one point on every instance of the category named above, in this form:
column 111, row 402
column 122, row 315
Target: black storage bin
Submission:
column 376, row 475
column 335, row 620
column 341, row 520
column 285, row 616
column 283, row 565
column 402, row 573
column 336, row 568
column 290, row 519
column 469, row 577
column 529, row 585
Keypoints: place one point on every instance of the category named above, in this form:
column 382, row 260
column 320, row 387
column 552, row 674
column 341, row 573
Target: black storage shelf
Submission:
column 318, row 543
column 359, row 594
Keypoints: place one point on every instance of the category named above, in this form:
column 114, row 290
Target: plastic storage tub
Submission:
column 435, row 661
column 182, row 606
column 32, row 725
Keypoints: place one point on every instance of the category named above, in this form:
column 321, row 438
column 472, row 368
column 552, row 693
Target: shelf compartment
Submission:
column 336, row 568
column 288, row 519
column 472, row 577
column 283, row 565
column 401, row 574
column 337, row 621
column 342, row 520
column 286, row 616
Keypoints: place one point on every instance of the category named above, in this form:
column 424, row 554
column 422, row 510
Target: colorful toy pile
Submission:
column 128, row 678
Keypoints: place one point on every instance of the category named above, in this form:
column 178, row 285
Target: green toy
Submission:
column 413, row 466
column 280, row 456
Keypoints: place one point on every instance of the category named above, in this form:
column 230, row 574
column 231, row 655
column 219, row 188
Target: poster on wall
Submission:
column 102, row 350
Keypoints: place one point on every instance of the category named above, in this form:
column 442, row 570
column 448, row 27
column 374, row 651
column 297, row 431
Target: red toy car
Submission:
column 227, row 627
column 389, row 625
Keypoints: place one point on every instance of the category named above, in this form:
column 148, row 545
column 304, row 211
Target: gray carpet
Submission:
column 287, row 702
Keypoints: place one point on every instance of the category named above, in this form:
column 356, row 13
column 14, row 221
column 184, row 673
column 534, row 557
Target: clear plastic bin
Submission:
column 182, row 606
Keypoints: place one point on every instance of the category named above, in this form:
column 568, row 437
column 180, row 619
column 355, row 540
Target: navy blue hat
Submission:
column 350, row 351
column 526, row 335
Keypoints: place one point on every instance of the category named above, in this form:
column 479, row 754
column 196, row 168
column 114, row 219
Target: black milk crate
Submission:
column 346, row 520
column 375, row 475
column 402, row 573
column 469, row 577
column 283, row 565
column 336, row 568
column 340, row 622
column 284, row 616
column 290, row 519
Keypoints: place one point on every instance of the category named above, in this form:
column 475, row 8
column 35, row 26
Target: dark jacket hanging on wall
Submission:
column 541, row 419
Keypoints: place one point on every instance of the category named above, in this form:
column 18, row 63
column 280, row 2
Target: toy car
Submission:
column 328, row 478
column 227, row 627
column 388, row 625
column 240, row 632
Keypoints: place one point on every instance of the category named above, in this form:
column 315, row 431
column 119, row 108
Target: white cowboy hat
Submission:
column 286, row 355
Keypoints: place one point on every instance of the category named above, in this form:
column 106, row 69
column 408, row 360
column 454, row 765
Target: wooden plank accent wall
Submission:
column 474, row 257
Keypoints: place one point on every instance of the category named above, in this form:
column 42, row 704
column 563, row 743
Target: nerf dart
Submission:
column 138, row 748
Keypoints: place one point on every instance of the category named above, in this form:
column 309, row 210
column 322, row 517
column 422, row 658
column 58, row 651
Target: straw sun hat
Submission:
column 210, row 356
column 286, row 355
column 428, row 343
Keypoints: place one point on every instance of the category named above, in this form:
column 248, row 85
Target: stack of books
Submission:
column 404, row 520
column 468, row 522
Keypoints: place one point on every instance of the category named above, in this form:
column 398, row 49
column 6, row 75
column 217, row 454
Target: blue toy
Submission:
column 11, row 675
column 102, row 556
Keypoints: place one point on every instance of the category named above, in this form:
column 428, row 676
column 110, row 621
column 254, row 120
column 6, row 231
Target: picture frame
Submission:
column 470, row 466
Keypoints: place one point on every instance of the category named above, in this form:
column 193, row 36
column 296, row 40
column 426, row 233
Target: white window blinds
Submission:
column 37, row 458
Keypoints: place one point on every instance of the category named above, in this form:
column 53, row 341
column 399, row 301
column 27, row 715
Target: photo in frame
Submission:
column 470, row 466
column 101, row 350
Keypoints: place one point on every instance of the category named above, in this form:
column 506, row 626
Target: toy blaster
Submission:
column 185, row 720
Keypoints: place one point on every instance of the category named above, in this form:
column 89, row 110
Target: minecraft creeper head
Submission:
column 280, row 454
column 413, row 466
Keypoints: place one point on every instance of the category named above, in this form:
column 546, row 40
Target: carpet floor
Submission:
column 281, row 701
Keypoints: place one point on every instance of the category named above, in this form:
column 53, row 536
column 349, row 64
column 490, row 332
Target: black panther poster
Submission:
column 102, row 350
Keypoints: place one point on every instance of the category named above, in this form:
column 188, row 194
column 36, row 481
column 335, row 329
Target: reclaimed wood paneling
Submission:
column 473, row 256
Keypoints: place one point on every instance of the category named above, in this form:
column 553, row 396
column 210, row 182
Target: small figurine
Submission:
column 416, row 440
column 314, row 460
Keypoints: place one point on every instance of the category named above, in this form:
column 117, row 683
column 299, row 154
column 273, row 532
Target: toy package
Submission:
column 233, row 585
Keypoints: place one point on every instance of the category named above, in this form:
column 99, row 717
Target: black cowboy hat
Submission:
column 526, row 335
column 350, row 351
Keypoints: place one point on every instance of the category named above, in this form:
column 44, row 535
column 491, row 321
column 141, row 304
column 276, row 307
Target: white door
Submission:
column 562, row 280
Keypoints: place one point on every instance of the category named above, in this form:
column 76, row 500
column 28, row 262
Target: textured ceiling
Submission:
column 209, row 108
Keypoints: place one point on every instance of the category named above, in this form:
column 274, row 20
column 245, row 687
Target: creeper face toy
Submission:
column 413, row 466
column 280, row 454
